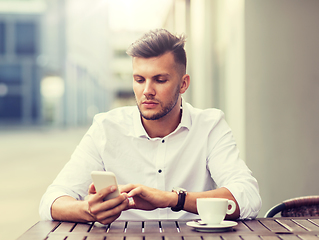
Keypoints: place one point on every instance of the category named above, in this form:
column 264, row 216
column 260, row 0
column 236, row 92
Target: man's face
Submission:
column 156, row 84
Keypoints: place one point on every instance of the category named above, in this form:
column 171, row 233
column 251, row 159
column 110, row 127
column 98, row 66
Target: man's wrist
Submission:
column 173, row 199
column 87, row 213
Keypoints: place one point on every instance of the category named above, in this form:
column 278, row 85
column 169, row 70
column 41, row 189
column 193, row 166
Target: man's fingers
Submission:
column 97, row 204
column 92, row 189
column 131, row 204
column 100, row 195
column 114, row 202
column 110, row 219
column 98, row 198
column 112, row 213
column 135, row 191
column 127, row 188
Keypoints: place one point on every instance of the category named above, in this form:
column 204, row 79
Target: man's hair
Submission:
column 158, row 42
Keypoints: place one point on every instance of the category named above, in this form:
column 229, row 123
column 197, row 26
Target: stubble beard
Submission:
column 165, row 110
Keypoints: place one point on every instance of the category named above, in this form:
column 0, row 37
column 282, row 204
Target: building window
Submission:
column 25, row 43
column 11, row 107
column 10, row 73
column 2, row 37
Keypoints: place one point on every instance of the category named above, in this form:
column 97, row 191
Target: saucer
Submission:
column 222, row 227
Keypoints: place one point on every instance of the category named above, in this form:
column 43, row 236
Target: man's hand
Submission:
column 106, row 212
column 146, row 198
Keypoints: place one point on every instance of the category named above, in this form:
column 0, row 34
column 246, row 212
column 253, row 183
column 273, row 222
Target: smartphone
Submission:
column 102, row 179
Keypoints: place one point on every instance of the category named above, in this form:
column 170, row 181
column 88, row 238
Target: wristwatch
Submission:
column 181, row 199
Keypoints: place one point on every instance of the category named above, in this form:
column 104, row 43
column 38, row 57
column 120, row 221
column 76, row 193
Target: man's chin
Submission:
column 151, row 116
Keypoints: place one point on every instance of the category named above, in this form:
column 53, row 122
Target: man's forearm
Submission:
column 66, row 208
column 190, row 201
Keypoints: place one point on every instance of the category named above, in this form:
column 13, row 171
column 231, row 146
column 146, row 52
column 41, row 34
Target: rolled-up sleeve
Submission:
column 228, row 170
column 74, row 179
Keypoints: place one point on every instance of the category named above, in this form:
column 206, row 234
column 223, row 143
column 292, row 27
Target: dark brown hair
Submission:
column 156, row 43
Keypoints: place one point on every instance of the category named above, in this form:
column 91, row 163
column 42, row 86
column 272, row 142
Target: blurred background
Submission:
column 63, row 61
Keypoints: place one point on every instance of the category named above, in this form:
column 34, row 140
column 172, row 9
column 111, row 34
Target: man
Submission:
column 162, row 143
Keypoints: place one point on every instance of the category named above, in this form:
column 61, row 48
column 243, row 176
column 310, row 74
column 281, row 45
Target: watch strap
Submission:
column 181, row 199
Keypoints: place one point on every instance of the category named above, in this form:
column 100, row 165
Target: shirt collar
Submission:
column 186, row 121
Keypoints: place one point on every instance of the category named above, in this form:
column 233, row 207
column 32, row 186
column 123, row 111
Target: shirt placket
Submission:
column 160, row 167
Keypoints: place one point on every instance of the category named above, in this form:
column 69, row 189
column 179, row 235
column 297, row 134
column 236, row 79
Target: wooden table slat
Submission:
column 133, row 238
column 251, row 237
column 75, row 237
column 309, row 226
column 56, row 237
column 314, row 220
column 95, row 237
column 271, row 237
column 184, row 229
column 291, row 225
column 192, row 238
column 65, row 227
column 99, row 228
column 170, row 238
column 134, row 227
column 274, row 226
column 152, row 237
column 288, row 237
column 231, row 237
column 152, row 227
column 117, row 227
column 82, row 227
column 211, row 237
column 169, row 226
column 241, row 227
column 256, row 226
column 40, row 230
column 308, row 237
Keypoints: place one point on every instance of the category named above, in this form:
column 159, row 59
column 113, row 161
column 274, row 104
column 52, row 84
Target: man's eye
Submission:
column 161, row 80
column 139, row 80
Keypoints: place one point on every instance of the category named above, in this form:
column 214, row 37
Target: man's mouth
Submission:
column 149, row 104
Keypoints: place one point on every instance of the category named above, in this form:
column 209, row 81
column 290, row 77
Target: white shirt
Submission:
column 200, row 155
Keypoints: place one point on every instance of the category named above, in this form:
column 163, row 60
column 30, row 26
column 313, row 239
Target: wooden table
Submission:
column 263, row 228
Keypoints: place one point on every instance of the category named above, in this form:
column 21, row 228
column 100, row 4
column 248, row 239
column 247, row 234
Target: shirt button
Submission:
column 163, row 141
column 160, row 170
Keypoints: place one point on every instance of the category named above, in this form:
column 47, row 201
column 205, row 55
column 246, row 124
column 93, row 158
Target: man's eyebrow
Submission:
column 155, row 76
column 162, row 75
column 137, row 75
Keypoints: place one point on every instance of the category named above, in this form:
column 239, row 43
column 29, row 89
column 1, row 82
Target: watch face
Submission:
column 178, row 189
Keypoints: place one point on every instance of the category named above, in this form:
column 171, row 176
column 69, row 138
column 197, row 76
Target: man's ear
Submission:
column 185, row 83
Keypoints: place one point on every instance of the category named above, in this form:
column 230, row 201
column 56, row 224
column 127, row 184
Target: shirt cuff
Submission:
column 46, row 204
column 249, row 202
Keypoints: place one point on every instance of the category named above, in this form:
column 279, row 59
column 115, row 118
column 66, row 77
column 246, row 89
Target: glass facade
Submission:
column 11, row 107
column 10, row 73
column 20, row 96
column 25, row 40
column 2, row 38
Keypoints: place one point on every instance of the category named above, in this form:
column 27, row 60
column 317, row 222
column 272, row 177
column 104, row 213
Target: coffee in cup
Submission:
column 212, row 211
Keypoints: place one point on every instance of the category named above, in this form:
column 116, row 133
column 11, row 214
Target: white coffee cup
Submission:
column 213, row 210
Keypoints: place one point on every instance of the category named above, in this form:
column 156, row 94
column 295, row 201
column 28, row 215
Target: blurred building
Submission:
column 53, row 70
column 20, row 73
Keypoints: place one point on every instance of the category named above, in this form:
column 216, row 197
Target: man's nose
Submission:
column 149, row 88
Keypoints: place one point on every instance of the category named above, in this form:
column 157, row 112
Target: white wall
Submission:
column 230, row 59
column 282, row 96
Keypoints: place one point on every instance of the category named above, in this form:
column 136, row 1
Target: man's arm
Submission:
column 66, row 208
column 147, row 198
column 190, row 201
